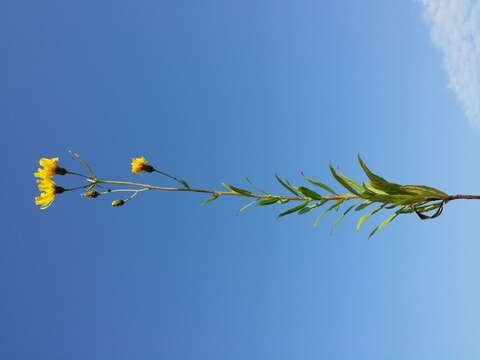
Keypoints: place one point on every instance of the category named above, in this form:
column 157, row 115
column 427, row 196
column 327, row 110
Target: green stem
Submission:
column 225, row 193
column 77, row 174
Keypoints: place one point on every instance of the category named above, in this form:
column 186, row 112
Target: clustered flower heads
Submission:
column 400, row 199
column 47, row 187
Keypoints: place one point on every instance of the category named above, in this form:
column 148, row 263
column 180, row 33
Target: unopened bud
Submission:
column 92, row 194
column 119, row 202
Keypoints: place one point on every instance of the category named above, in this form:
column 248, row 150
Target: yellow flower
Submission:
column 49, row 168
column 141, row 164
column 48, row 190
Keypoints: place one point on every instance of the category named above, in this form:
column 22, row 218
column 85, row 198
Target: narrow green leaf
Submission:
column 309, row 208
column 426, row 191
column 379, row 227
column 346, row 182
column 294, row 209
column 184, row 183
column 255, row 186
column 245, row 207
column 378, row 182
column 399, row 199
column 373, row 178
column 287, row 186
column 368, row 215
column 228, row 187
column 237, row 190
column 241, row 191
column 363, row 205
column 369, row 187
column 322, row 214
column 334, row 226
column 310, row 193
column 351, row 207
column 427, row 208
column 319, row 184
column 391, row 207
column 209, row 200
column 267, row 201
column 295, row 189
column 305, row 210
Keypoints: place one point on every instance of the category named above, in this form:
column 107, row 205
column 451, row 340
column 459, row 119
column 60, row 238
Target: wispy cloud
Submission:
column 455, row 29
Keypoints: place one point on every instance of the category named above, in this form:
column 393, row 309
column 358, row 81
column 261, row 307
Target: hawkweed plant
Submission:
column 375, row 195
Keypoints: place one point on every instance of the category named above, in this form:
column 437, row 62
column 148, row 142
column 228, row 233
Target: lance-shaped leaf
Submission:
column 343, row 215
column 310, row 193
column 309, row 208
column 335, row 206
column 287, row 186
column 294, row 209
column 372, row 189
column 368, row 215
column 245, row 207
column 363, row 205
column 379, row 182
column 346, row 182
column 237, row 190
column 379, row 227
column 268, row 201
column 319, row 184
column 425, row 191
column 255, row 186
column 209, row 200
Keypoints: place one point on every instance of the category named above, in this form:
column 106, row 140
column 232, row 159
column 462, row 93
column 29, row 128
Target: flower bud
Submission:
column 92, row 194
column 119, row 202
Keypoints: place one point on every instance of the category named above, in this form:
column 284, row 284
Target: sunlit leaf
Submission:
column 245, row 207
column 294, row 209
column 209, row 200
column 346, row 182
column 426, row 191
column 241, row 191
column 368, row 215
column 379, row 227
column 310, row 193
column 379, row 182
column 268, row 201
column 255, row 186
column 343, row 215
column 336, row 205
column 320, row 184
column 288, row 186
column 309, row 208
column 363, row 205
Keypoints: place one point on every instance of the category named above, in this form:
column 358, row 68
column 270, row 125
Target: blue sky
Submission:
column 213, row 91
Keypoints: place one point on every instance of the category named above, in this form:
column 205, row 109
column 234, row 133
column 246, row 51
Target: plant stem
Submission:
column 225, row 193
column 462, row 197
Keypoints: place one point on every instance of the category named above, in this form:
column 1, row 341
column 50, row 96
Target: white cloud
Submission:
column 455, row 29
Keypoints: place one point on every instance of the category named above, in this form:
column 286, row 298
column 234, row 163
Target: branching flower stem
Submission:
column 258, row 196
column 225, row 193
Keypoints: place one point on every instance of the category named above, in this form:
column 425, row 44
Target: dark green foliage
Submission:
column 406, row 199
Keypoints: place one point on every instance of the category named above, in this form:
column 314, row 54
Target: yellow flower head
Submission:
column 48, row 190
column 49, row 168
column 141, row 164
